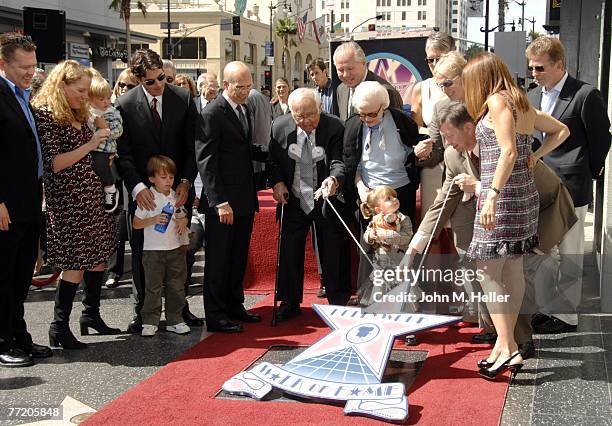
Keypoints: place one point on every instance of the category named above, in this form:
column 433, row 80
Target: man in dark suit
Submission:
column 229, row 199
column 20, row 199
column 158, row 118
column 305, row 154
column 577, row 161
column 352, row 69
column 208, row 86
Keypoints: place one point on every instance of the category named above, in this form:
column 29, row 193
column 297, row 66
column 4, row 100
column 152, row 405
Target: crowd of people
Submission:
column 509, row 173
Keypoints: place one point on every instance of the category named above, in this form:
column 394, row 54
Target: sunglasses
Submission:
column 124, row 85
column 160, row 77
column 538, row 68
column 170, row 79
column 370, row 114
column 446, row 84
column 431, row 60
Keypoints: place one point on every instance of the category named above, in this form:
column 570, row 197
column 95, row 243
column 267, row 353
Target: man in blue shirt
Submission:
column 20, row 199
column 323, row 85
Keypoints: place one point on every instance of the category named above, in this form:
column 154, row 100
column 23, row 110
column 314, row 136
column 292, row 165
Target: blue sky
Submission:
column 533, row 8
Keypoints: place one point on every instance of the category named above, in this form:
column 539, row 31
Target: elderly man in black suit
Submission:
column 577, row 162
column 20, row 199
column 208, row 86
column 158, row 118
column 352, row 69
column 229, row 198
column 305, row 154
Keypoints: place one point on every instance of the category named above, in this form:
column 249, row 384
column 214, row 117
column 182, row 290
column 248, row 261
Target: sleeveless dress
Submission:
column 516, row 215
column 80, row 234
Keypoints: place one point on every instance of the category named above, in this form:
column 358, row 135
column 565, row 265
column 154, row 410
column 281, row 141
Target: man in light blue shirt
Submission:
column 20, row 199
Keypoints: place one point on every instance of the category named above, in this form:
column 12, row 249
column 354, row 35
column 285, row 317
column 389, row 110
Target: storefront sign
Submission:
column 113, row 53
column 78, row 51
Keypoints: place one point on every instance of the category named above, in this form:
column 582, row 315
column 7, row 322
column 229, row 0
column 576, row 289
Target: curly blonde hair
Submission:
column 53, row 97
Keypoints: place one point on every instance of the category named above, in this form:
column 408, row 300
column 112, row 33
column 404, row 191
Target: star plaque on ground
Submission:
column 345, row 365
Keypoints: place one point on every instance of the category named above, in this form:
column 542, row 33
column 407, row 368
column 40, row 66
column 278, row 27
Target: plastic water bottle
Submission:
column 168, row 210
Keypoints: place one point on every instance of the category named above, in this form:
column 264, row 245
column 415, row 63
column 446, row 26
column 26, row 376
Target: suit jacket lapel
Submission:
column 321, row 140
column 565, row 97
column 14, row 103
column 145, row 112
column 467, row 163
column 231, row 115
column 291, row 139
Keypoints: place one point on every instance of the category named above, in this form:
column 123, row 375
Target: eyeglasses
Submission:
column 124, row 85
column 160, row 77
column 446, row 83
column 432, row 60
column 538, row 68
column 370, row 114
column 170, row 79
column 302, row 117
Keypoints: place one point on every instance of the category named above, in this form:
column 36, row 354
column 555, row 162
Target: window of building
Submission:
column 322, row 4
column 388, row 16
column 188, row 48
column 251, row 56
column 378, row 3
column 327, row 18
column 389, row 3
column 424, row 15
column 454, row 21
column 230, row 51
column 347, row 5
column 202, row 53
column 403, row 16
column 399, row 3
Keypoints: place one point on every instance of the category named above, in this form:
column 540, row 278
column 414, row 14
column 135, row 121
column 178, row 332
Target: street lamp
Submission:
column 285, row 10
column 377, row 17
column 533, row 21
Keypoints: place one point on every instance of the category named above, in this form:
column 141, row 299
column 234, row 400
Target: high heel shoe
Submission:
column 96, row 322
column 483, row 363
column 489, row 374
column 64, row 339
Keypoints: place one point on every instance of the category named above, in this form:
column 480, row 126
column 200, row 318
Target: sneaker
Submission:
column 180, row 328
column 148, row 330
column 111, row 201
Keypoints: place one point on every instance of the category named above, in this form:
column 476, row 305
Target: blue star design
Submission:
column 274, row 376
column 355, row 391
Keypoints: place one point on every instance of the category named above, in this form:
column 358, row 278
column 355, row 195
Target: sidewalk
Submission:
column 570, row 381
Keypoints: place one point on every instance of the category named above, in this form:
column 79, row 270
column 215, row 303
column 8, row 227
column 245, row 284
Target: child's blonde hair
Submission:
column 368, row 208
column 99, row 87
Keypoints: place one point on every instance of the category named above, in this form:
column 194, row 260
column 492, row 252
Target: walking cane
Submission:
column 278, row 250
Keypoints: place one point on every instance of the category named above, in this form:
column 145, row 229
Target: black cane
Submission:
column 278, row 251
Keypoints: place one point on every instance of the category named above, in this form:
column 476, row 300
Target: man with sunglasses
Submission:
column 305, row 154
column 352, row 69
column 169, row 71
column 577, row 161
column 158, row 119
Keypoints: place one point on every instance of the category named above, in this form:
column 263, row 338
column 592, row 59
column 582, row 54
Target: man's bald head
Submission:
column 237, row 81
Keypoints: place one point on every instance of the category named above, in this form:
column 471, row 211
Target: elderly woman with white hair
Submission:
column 379, row 150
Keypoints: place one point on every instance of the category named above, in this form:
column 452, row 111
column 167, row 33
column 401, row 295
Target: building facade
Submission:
column 202, row 44
column 95, row 35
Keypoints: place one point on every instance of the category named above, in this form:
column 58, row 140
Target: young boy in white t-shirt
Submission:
column 163, row 258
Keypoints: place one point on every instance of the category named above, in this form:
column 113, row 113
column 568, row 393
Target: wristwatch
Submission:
column 187, row 182
column 492, row 188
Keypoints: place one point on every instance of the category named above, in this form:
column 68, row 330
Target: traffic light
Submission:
column 236, row 25
column 371, row 27
column 268, row 78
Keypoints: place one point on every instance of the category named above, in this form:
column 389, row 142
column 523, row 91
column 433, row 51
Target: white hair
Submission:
column 352, row 47
column 167, row 63
column 304, row 93
column 202, row 78
column 368, row 93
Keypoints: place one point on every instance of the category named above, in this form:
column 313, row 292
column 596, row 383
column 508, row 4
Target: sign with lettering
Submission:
column 112, row 53
column 345, row 365
column 79, row 51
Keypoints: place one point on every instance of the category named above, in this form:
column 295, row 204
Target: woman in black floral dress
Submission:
column 81, row 236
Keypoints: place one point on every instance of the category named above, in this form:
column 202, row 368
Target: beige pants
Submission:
column 431, row 183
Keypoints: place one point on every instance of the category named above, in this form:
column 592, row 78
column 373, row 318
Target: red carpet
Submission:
column 261, row 268
column 446, row 391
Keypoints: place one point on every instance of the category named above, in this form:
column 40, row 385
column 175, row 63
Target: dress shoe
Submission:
column 191, row 320
column 527, row 349
column 353, row 301
column 554, row 326
column 411, row 340
column 491, row 374
column 538, row 319
column 321, row 293
column 224, row 326
column 483, row 338
column 245, row 316
column 112, row 282
column 15, row 358
column 288, row 310
column 135, row 326
column 39, row 351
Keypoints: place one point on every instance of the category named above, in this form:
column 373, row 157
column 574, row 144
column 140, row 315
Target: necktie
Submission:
column 243, row 120
column 155, row 114
column 351, row 110
column 21, row 94
column 475, row 162
column 306, row 177
column 368, row 140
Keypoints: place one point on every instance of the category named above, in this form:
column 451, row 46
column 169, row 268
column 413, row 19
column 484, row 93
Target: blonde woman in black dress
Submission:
column 81, row 236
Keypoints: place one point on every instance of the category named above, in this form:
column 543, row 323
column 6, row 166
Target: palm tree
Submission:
column 501, row 14
column 534, row 34
column 286, row 29
column 123, row 7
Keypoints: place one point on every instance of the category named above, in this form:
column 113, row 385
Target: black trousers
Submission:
column 18, row 252
column 115, row 264
column 333, row 252
column 225, row 261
